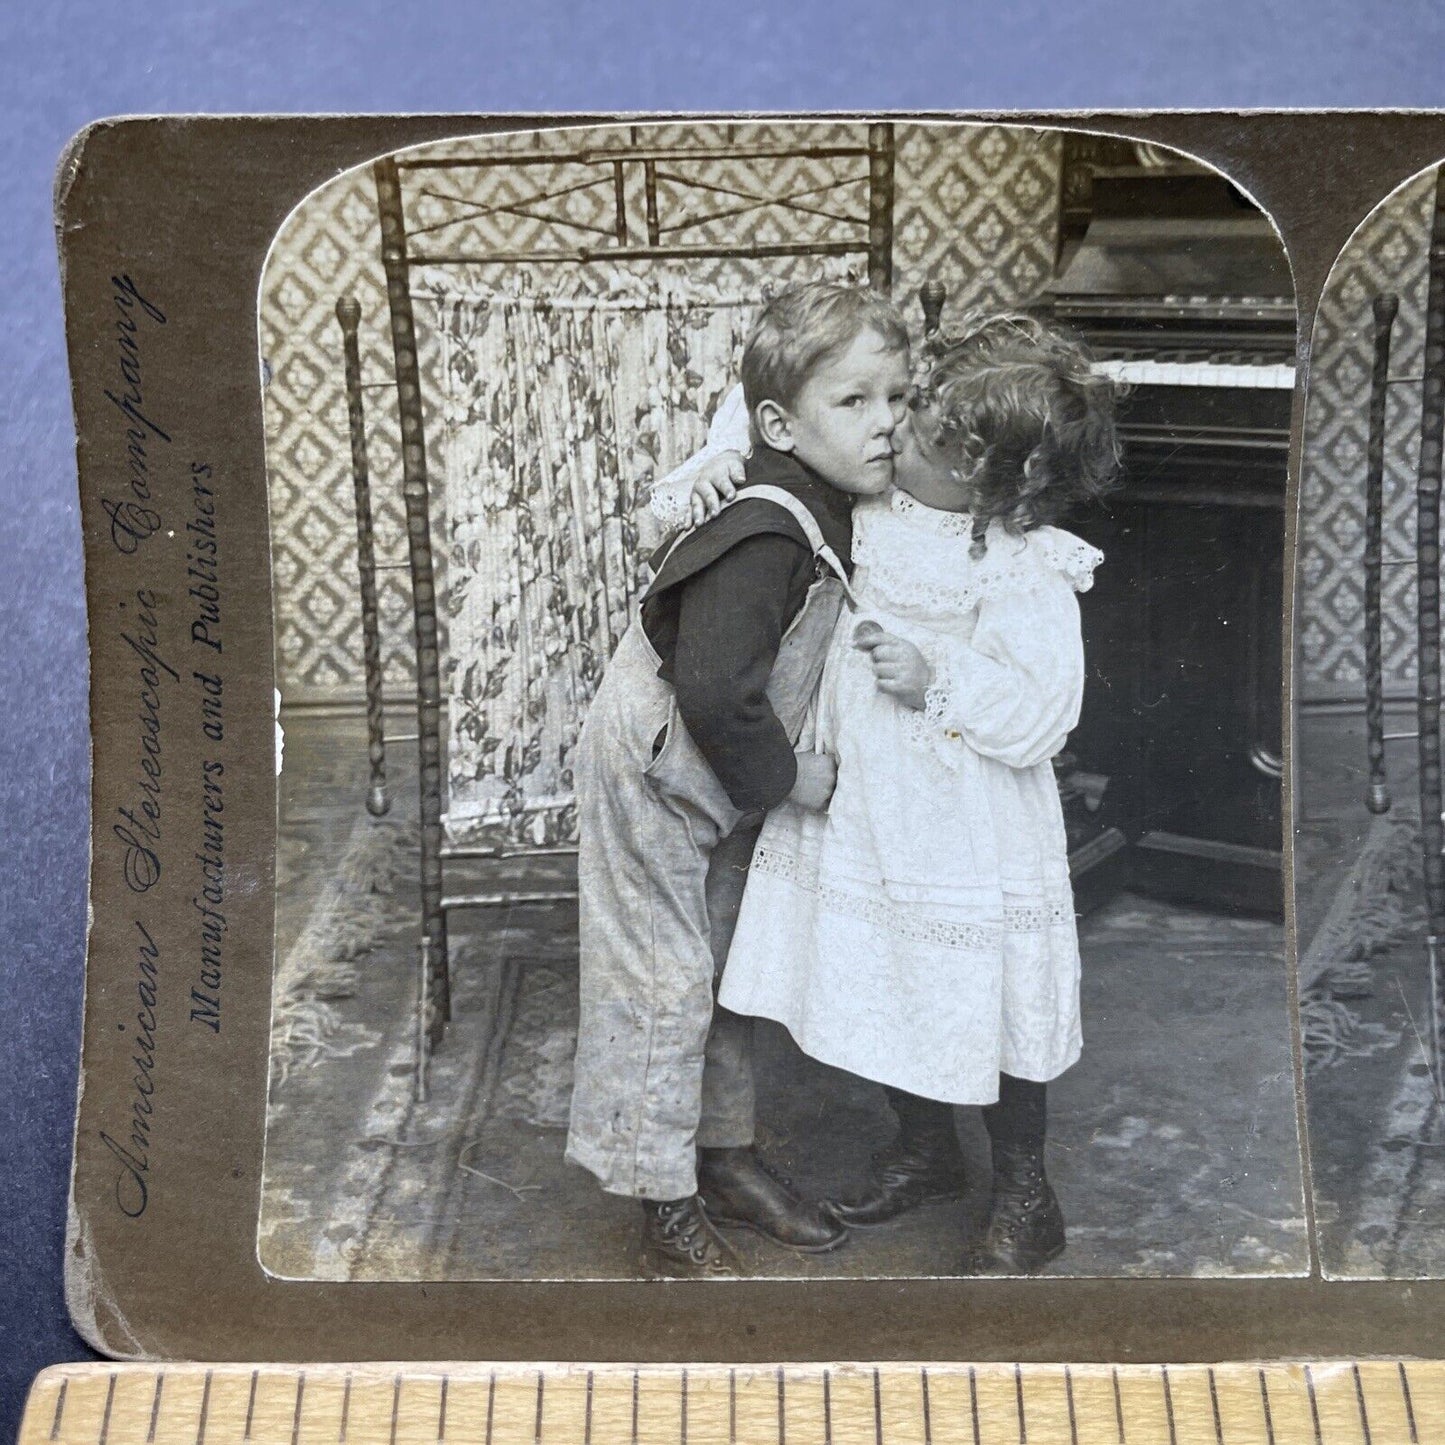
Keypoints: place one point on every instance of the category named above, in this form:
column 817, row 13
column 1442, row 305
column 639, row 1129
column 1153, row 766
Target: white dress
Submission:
column 921, row 932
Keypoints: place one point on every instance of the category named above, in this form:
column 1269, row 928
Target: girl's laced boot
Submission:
column 1025, row 1224
column 923, row 1165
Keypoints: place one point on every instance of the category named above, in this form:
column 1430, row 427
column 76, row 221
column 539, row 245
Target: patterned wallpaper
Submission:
column 975, row 207
column 1390, row 251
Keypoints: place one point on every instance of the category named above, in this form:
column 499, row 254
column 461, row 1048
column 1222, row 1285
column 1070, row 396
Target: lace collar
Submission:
column 943, row 580
column 934, row 519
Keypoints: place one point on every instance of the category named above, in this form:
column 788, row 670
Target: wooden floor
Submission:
column 1172, row 1145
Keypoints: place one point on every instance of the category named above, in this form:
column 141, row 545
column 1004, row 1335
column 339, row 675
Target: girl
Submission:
column 921, row 933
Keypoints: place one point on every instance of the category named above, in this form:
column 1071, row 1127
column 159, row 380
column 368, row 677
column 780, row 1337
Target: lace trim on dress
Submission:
column 926, row 728
column 671, row 502
column 944, row 524
column 1036, row 917
column 871, row 905
column 1068, row 554
column 948, row 579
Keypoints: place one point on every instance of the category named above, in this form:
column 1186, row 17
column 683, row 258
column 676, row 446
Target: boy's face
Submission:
column 843, row 420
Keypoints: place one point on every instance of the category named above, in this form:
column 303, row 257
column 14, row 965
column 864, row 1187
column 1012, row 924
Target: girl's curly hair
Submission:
column 1016, row 408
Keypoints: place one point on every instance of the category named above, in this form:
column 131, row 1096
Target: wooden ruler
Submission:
column 1335, row 1403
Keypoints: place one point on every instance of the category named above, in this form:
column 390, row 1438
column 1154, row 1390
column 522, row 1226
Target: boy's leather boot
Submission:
column 1025, row 1224
column 740, row 1188
column 923, row 1165
column 680, row 1242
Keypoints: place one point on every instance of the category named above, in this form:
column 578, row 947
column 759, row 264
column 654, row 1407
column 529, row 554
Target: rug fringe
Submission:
column 354, row 910
column 1375, row 908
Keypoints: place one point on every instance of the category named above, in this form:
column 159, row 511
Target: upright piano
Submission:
column 1173, row 780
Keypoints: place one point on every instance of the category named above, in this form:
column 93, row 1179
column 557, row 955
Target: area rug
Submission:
column 354, row 913
column 1376, row 908
column 1161, row 1176
column 1374, row 1104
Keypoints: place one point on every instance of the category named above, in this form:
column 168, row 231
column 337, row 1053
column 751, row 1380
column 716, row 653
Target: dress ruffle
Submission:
column 946, row 579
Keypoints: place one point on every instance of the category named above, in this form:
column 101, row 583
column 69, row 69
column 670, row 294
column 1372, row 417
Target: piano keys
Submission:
column 1202, row 371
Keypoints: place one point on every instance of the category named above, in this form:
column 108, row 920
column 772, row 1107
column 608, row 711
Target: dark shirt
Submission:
column 716, row 614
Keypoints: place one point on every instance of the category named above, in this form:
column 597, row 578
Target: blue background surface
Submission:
column 70, row 63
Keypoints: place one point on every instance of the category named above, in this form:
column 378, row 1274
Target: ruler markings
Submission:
column 1268, row 1415
column 1409, row 1404
column 1214, row 1408
column 59, row 1410
column 1398, row 1411
column 1314, row 1404
column 156, row 1407
column 205, row 1410
column 296, row 1411
column 109, row 1403
column 1288, row 1415
column 1360, row 1398
column 1427, row 1394
column 1386, row 1420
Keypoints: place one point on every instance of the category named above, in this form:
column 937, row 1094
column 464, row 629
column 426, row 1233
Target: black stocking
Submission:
column 1020, row 1117
column 920, row 1117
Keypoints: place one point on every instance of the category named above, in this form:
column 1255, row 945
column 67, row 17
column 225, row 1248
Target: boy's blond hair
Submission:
column 802, row 328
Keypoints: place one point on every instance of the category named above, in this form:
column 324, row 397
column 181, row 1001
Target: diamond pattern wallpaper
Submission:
column 1389, row 252
column 976, row 207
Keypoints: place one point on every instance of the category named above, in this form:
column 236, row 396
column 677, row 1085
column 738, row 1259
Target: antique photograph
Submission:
column 1369, row 885
column 778, row 667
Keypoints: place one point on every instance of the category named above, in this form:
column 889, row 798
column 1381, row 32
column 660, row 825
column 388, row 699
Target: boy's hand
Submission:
column 717, row 481
column 899, row 668
column 817, row 777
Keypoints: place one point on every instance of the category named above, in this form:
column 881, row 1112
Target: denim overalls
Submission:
column 661, row 867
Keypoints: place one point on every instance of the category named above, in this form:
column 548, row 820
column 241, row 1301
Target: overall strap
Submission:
column 807, row 521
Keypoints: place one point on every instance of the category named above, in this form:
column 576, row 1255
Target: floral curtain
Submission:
column 558, row 416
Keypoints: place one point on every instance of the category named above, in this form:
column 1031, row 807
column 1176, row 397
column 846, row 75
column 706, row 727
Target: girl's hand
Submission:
column 899, row 668
column 717, row 481
column 817, row 777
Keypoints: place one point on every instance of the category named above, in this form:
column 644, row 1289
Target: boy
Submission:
column 689, row 741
